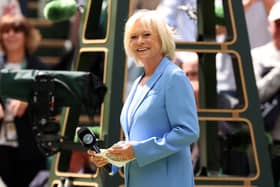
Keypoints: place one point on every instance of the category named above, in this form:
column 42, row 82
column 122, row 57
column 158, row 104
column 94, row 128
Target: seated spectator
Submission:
column 266, row 61
column 20, row 158
column 188, row 61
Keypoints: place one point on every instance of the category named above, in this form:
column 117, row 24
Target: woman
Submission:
column 159, row 117
column 20, row 159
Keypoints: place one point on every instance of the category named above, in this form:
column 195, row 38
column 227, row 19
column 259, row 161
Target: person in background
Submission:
column 259, row 9
column 190, row 66
column 266, row 61
column 228, row 98
column 181, row 16
column 189, row 62
column 159, row 117
column 9, row 7
column 20, row 159
column 252, row 9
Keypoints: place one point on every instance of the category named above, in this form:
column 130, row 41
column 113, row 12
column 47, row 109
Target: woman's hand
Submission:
column 1, row 112
column 97, row 160
column 123, row 151
column 17, row 107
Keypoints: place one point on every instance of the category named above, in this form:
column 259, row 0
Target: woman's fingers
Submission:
column 125, row 151
column 97, row 160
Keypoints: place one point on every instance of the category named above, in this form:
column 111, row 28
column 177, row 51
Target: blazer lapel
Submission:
column 149, row 85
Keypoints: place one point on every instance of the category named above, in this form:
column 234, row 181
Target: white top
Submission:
column 176, row 17
column 225, row 76
column 134, row 101
column 266, row 58
column 8, row 135
column 9, row 7
column 257, row 25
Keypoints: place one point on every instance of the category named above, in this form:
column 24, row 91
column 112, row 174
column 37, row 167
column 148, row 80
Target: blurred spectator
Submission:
column 228, row 98
column 257, row 9
column 181, row 16
column 9, row 7
column 20, row 158
column 266, row 61
column 226, row 86
column 253, row 8
column 189, row 63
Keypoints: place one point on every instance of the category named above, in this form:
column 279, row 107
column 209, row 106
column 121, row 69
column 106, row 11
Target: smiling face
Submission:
column 13, row 39
column 145, row 43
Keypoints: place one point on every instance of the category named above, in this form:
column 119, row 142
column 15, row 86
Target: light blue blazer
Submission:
column 162, row 126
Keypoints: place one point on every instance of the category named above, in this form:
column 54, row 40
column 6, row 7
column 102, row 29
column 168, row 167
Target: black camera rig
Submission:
column 47, row 92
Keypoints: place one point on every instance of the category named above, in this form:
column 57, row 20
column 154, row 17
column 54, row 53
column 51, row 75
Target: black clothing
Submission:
column 18, row 166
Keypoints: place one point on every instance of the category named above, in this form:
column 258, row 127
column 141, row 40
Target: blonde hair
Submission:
column 150, row 19
column 32, row 35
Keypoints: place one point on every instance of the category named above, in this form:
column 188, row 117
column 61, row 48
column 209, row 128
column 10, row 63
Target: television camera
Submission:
column 47, row 92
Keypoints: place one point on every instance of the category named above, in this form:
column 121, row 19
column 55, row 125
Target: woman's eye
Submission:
column 133, row 37
column 147, row 34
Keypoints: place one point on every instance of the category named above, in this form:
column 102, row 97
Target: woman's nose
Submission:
column 140, row 39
